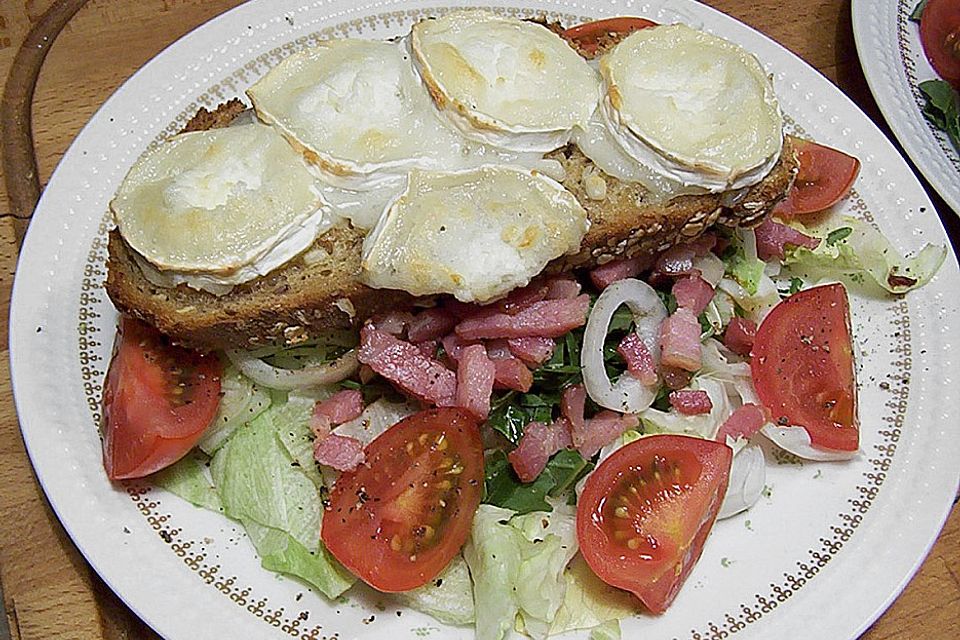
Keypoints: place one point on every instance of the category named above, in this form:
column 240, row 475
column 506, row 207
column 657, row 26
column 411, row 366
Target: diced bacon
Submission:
column 703, row 244
column 430, row 324
column 320, row 425
column 693, row 292
column 394, row 322
column 406, row 368
column 547, row 318
column 343, row 406
column 562, row 288
column 453, row 346
column 680, row 340
column 538, row 443
column 605, row 275
column 428, row 347
column 533, row 350
column 739, row 336
column 475, row 374
column 638, row 358
column 675, row 378
column 604, row 428
column 690, row 402
column 572, row 404
column 773, row 236
column 498, row 349
column 511, row 373
column 675, row 261
column 520, row 299
column 366, row 374
column 742, row 423
column 343, row 453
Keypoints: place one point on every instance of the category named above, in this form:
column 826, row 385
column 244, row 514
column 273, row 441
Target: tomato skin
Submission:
column 940, row 36
column 152, row 415
column 803, row 367
column 825, row 177
column 401, row 516
column 646, row 511
column 587, row 35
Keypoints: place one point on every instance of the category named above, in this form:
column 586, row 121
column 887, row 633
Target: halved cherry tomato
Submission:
column 825, row 177
column 157, row 401
column 940, row 35
column 402, row 515
column 587, row 35
column 645, row 513
column 803, row 369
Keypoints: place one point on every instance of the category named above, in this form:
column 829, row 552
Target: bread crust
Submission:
column 321, row 289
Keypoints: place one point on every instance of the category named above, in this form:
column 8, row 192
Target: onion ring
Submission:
column 288, row 379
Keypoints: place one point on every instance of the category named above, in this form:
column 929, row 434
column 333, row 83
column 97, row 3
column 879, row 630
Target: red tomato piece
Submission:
column 803, row 368
column 645, row 513
column 587, row 35
column 940, row 35
column 157, row 401
column 825, row 177
column 399, row 518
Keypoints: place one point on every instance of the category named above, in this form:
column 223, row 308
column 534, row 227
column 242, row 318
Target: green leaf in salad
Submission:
column 917, row 12
column 241, row 401
column 504, row 489
column 589, row 602
column 795, row 285
column 837, row 235
column 747, row 272
column 942, row 108
column 190, row 480
column 448, row 597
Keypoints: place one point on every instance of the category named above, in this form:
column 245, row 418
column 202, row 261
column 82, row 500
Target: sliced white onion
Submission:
column 796, row 440
column 748, row 473
column 375, row 419
column 711, row 268
column 749, row 238
column 287, row 379
column 627, row 394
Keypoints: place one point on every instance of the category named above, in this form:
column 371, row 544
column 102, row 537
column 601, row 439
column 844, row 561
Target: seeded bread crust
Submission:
column 320, row 289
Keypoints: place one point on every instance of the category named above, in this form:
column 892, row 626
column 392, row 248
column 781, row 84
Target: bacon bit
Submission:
column 562, row 289
column 547, row 318
column 678, row 259
column 431, row 324
column 343, row 406
column 533, row 351
column 604, row 428
column 690, row 402
column 895, row 280
column 406, row 368
column 703, row 244
column 739, row 336
column 538, row 443
column 394, row 322
column 693, row 292
column 366, row 374
column 428, row 347
column 343, row 453
column 675, row 378
column 320, row 425
column 773, row 236
column 742, row 423
column 520, row 299
column 475, row 374
column 511, row 373
column 498, row 349
column 680, row 340
column 605, row 275
column 638, row 358
column 572, row 404
column 453, row 346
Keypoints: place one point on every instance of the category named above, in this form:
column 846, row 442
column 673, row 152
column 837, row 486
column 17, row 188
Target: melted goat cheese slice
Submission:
column 476, row 234
column 695, row 108
column 216, row 202
column 504, row 81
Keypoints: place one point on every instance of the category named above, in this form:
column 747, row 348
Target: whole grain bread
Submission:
column 321, row 289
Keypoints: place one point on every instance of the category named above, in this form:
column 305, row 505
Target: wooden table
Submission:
column 49, row 591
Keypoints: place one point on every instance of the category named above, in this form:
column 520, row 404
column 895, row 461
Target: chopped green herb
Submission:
column 942, row 108
column 748, row 525
column 795, row 285
column 726, row 562
column 917, row 12
column 767, row 491
column 838, row 235
column 504, row 489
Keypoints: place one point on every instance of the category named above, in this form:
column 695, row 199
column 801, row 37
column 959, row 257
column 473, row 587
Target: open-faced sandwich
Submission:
column 490, row 316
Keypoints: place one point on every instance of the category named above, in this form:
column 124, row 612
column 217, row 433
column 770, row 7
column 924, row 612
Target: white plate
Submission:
column 820, row 558
column 894, row 64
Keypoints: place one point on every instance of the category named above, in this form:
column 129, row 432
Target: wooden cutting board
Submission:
column 49, row 591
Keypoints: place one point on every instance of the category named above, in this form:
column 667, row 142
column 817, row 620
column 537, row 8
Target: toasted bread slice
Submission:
column 321, row 289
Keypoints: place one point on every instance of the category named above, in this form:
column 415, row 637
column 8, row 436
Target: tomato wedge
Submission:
column 645, row 513
column 402, row 515
column 803, row 368
column 825, row 178
column 157, row 401
column 940, row 35
column 587, row 35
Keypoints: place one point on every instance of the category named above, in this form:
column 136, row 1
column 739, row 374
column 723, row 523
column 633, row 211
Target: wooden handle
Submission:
column 19, row 158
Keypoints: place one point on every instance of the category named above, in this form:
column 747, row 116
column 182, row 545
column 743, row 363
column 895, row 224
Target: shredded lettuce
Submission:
column 745, row 270
column 241, row 402
column 517, row 564
column 590, row 602
column 262, row 485
column 865, row 254
column 448, row 598
column 190, row 480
